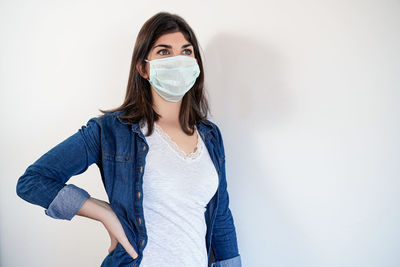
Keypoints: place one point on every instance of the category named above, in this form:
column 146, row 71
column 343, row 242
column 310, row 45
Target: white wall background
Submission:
column 306, row 94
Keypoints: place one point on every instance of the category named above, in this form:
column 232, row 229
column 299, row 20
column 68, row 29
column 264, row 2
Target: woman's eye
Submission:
column 189, row 51
column 186, row 51
column 162, row 51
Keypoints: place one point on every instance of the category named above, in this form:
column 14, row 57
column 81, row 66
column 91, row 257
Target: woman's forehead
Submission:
column 175, row 38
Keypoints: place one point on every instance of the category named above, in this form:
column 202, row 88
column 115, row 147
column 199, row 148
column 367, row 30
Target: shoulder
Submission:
column 109, row 115
column 214, row 129
column 109, row 119
column 217, row 138
column 107, row 122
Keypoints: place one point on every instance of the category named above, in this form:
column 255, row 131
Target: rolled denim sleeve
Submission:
column 67, row 202
column 44, row 181
column 232, row 262
column 224, row 240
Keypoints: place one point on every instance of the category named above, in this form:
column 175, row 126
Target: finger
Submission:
column 111, row 248
column 129, row 249
column 113, row 245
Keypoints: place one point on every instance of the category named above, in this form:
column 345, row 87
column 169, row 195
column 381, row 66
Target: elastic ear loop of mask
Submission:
column 147, row 61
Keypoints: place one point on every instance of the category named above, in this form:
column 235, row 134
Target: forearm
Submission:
column 95, row 209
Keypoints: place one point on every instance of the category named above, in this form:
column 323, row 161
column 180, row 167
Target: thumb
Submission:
column 113, row 245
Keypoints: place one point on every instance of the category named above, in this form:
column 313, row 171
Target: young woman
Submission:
column 162, row 162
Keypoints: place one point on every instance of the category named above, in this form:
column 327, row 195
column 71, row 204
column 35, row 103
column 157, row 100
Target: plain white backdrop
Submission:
column 306, row 94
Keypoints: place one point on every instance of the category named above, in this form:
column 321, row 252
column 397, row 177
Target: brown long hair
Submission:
column 138, row 99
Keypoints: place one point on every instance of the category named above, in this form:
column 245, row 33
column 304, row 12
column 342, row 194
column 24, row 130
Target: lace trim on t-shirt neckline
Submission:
column 175, row 147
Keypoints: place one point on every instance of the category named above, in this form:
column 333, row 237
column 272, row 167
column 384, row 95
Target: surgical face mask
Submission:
column 172, row 77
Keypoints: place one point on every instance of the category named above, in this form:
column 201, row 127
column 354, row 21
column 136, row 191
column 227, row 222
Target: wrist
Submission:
column 95, row 209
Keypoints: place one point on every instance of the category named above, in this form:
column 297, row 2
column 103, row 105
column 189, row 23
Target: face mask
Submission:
column 172, row 77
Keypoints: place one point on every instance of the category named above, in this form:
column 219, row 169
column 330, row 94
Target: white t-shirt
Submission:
column 176, row 189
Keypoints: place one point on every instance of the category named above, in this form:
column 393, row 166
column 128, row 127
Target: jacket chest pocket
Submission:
column 115, row 157
column 117, row 168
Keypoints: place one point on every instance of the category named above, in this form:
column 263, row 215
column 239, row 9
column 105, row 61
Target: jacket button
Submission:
column 144, row 148
column 142, row 242
column 219, row 172
column 140, row 221
column 141, row 168
column 138, row 195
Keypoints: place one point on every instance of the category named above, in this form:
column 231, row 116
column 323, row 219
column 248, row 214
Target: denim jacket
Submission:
column 119, row 149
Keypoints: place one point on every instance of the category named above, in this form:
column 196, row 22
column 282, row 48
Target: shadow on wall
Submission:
column 245, row 83
column 246, row 77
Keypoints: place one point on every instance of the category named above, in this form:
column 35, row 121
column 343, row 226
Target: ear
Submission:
column 141, row 70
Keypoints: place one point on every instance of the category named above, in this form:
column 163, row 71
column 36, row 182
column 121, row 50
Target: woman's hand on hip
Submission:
column 101, row 211
column 117, row 233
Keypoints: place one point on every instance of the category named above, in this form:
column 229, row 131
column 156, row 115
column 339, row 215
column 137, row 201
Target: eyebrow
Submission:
column 168, row 46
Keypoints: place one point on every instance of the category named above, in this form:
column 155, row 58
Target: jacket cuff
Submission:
column 232, row 262
column 67, row 202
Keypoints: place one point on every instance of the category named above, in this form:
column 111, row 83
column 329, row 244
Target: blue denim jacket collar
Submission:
column 204, row 127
